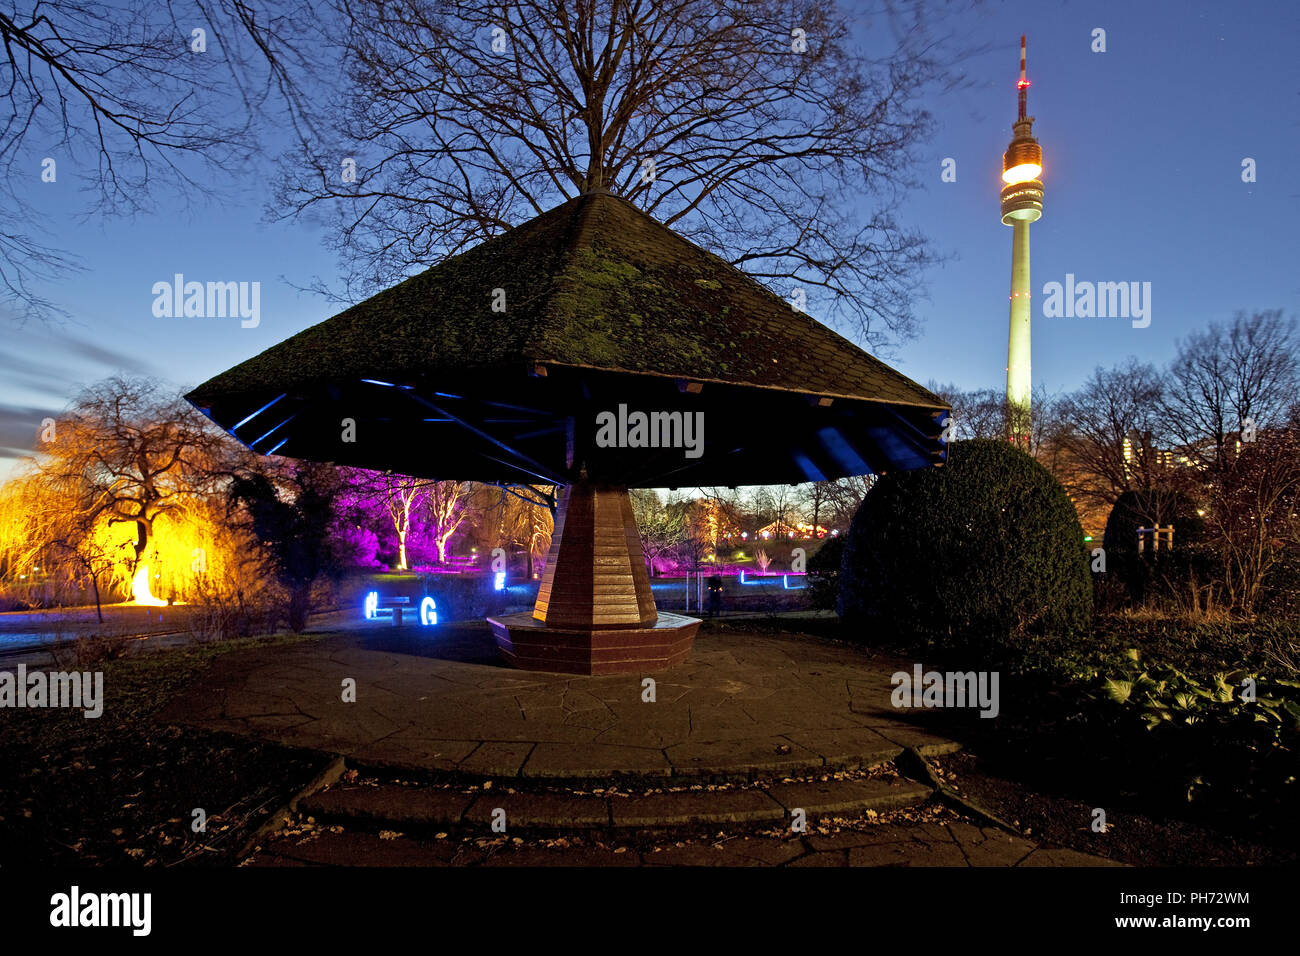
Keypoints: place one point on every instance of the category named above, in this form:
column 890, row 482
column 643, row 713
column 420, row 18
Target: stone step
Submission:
column 406, row 807
column 722, row 761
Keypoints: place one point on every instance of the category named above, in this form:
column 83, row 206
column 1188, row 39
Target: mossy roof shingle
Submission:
column 596, row 283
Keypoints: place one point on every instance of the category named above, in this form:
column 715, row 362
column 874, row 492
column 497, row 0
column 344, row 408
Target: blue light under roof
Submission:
column 375, row 381
column 898, row 452
column 274, row 430
column 245, row 421
column 843, row 452
column 277, row 447
column 810, row 471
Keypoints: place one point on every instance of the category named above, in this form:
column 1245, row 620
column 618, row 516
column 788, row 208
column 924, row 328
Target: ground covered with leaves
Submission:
column 122, row 789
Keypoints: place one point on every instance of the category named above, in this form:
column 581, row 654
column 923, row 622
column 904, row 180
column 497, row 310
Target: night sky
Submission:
column 1143, row 147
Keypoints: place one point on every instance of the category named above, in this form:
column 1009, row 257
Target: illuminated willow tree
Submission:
column 127, row 453
column 760, row 130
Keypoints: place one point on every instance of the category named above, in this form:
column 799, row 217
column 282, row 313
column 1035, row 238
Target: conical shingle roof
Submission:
column 595, row 294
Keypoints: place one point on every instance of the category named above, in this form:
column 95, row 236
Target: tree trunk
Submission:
column 99, row 611
column 299, row 601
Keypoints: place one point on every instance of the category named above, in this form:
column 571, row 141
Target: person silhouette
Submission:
column 714, row 587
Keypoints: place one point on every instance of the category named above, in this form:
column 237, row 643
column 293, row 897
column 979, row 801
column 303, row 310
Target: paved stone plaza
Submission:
column 746, row 734
column 440, row 700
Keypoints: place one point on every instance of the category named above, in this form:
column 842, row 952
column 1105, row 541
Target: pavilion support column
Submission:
column 594, row 613
column 595, row 572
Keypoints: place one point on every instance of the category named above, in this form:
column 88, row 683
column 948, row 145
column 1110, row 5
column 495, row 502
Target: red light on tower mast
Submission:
column 1023, row 83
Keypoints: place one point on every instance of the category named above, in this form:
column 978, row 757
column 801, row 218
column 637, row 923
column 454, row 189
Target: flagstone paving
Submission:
column 438, row 700
column 949, row 843
column 777, row 722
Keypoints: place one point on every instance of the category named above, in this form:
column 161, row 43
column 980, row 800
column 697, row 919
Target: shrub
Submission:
column 1183, row 575
column 1280, row 595
column 1228, row 747
column 981, row 554
column 824, row 574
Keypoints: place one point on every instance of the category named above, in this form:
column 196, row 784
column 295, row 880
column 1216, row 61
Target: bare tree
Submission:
column 986, row 413
column 523, row 515
column 1116, row 431
column 816, row 496
column 78, row 551
column 1255, row 510
column 843, row 498
column 400, row 493
column 775, row 505
column 661, row 526
column 1230, row 379
column 445, row 506
column 131, row 453
column 752, row 128
column 133, row 85
column 716, row 516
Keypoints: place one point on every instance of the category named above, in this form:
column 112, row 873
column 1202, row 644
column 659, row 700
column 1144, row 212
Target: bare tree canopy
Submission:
column 1114, row 432
column 1229, row 378
column 130, row 452
column 136, row 90
column 986, row 413
column 756, row 129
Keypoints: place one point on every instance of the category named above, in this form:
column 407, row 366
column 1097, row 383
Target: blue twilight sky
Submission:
column 1143, row 147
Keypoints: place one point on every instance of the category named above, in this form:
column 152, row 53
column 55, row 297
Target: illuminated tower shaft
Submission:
column 1018, row 363
column 1022, row 203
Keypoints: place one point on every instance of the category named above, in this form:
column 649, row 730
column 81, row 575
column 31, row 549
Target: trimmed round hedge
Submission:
column 1141, row 577
column 981, row 554
column 1133, row 510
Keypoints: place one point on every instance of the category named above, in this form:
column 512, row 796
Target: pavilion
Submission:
column 528, row 359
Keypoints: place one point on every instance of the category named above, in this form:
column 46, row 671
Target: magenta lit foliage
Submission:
column 360, row 545
column 364, row 524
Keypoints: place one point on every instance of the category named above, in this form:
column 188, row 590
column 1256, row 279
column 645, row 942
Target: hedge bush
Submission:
column 981, row 554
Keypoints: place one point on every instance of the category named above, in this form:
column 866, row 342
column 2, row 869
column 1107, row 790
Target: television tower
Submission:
column 1022, row 203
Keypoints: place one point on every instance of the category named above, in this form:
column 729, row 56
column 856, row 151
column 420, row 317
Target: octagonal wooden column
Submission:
column 595, row 613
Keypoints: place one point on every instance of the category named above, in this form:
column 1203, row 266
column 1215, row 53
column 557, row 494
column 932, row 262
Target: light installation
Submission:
column 428, row 612
column 428, row 609
column 140, row 593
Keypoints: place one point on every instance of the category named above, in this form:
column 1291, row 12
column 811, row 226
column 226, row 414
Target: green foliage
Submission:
column 1163, row 693
column 1229, row 742
column 1198, row 647
column 984, row 554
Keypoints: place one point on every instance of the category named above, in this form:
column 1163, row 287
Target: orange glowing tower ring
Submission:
column 1022, row 163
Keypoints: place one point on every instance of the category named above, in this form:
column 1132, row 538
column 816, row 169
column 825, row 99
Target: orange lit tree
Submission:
column 128, row 453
